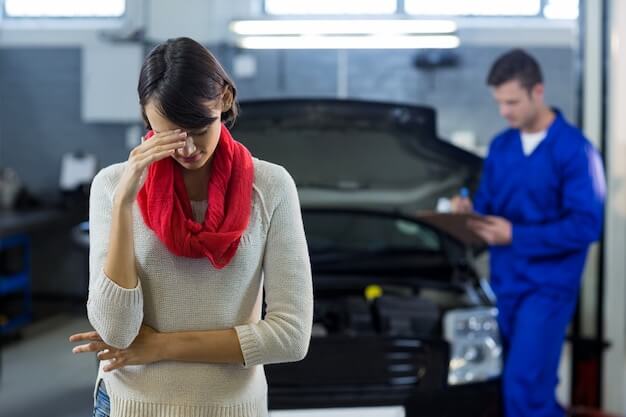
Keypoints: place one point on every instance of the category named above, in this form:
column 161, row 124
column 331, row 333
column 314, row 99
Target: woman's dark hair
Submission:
column 180, row 76
column 516, row 64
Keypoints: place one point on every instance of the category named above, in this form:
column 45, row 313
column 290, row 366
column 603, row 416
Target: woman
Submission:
column 178, row 264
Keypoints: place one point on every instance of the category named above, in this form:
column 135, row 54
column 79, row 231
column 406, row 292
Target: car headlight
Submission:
column 475, row 347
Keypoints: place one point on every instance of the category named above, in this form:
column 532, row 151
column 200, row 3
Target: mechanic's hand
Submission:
column 160, row 146
column 461, row 204
column 145, row 348
column 493, row 230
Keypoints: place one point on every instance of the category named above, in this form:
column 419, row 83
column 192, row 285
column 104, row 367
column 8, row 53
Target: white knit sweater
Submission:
column 183, row 294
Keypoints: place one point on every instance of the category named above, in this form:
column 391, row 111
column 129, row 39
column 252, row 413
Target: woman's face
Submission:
column 201, row 142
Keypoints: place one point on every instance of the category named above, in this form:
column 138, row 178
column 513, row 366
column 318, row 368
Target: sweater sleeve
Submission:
column 583, row 192
column 116, row 313
column 284, row 334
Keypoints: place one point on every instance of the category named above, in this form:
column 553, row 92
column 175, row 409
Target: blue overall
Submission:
column 554, row 199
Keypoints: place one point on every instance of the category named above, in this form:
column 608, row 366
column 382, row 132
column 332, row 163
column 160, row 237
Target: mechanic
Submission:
column 541, row 196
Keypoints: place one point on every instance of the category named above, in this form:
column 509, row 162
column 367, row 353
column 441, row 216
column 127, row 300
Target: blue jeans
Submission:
column 102, row 407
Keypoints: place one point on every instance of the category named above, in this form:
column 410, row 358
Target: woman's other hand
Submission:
column 144, row 350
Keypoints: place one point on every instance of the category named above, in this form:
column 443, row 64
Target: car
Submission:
column 402, row 316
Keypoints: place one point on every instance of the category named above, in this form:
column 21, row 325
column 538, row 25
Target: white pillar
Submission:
column 614, row 379
column 592, row 123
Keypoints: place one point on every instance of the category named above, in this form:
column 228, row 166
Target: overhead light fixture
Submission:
column 342, row 27
column 330, row 7
column 349, row 42
column 64, row 8
column 474, row 7
column 561, row 9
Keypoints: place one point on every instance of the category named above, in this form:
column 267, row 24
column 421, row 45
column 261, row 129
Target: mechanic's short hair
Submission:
column 515, row 64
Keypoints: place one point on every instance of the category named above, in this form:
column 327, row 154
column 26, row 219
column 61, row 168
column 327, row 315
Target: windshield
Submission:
column 353, row 231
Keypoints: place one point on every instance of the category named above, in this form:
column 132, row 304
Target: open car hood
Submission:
column 346, row 153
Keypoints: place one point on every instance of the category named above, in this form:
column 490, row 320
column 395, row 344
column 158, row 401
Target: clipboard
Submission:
column 454, row 224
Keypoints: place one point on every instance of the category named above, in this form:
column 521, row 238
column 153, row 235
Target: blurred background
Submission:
column 68, row 107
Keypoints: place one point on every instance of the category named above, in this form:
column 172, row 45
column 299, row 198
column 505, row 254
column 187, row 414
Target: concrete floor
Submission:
column 41, row 376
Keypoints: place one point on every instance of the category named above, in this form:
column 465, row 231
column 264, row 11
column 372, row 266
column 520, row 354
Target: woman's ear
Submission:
column 227, row 99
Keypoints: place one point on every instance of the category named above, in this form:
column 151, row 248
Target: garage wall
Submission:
column 459, row 94
column 40, row 118
column 40, row 96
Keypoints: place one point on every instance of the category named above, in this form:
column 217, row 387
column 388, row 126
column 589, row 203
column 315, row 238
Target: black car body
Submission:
column 402, row 317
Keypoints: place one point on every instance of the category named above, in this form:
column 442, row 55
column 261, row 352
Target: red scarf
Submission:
column 166, row 208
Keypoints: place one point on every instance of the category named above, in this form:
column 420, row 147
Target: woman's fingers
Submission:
column 81, row 337
column 139, row 162
column 114, row 363
column 117, row 359
column 107, row 354
column 160, row 139
column 140, row 154
column 168, row 139
column 91, row 347
column 168, row 148
column 156, row 153
column 155, row 156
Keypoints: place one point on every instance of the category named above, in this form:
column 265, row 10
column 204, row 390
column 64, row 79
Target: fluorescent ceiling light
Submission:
column 561, row 9
column 64, row 8
column 348, row 42
column 474, row 7
column 341, row 27
column 329, row 7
